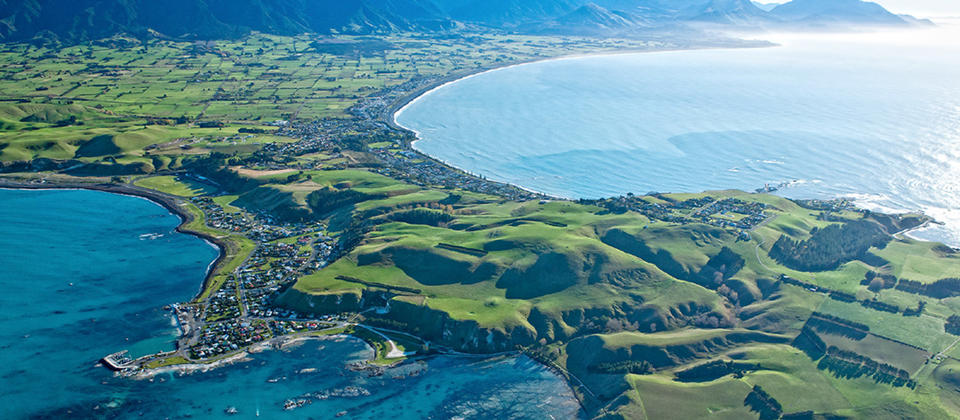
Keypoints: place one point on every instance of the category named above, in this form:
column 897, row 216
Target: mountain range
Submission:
column 79, row 20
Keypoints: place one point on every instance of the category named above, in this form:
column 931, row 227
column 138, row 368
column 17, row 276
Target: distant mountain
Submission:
column 74, row 20
column 836, row 11
column 591, row 19
column 592, row 15
column 512, row 12
column 78, row 20
column 729, row 12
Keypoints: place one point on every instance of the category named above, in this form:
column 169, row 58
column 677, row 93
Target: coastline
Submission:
column 168, row 202
column 389, row 115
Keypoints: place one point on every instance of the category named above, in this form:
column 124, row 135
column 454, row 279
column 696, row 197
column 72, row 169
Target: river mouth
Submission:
column 872, row 118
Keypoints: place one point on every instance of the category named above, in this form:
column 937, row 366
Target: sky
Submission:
column 923, row 8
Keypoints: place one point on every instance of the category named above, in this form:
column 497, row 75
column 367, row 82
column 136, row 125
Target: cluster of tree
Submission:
column 843, row 328
column 719, row 268
column 637, row 367
column 714, row 370
column 876, row 282
column 915, row 312
column 711, row 320
column 421, row 216
column 847, row 364
column 542, row 353
column 873, row 260
column 71, row 120
column 953, row 325
column 896, row 223
column 211, row 124
column 810, row 343
column 832, row 294
column 809, row 415
column 329, row 199
column 940, row 289
column 837, row 319
column 248, row 130
column 880, row 306
column 380, row 285
column 847, row 297
column 381, row 322
column 353, row 234
column 214, row 167
column 462, row 249
column 842, row 296
column 829, row 247
column 809, row 286
column 761, row 402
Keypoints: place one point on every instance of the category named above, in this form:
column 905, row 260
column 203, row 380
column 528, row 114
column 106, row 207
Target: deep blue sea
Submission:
column 81, row 280
column 874, row 117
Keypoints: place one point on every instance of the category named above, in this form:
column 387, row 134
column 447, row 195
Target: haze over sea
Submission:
column 873, row 116
column 87, row 273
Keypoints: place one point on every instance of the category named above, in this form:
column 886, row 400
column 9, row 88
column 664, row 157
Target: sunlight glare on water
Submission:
column 871, row 116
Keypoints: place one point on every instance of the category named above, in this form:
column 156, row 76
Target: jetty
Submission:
column 117, row 361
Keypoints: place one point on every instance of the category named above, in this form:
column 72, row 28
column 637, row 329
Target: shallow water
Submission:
column 83, row 279
column 874, row 117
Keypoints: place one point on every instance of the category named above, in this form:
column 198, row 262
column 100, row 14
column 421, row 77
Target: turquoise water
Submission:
column 874, row 117
column 81, row 282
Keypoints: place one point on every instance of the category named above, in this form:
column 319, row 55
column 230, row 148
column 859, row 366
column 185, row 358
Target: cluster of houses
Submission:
column 752, row 212
column 224, row 303
column 219, row 219
column 414, row 168
column 729, row 213
column 241, row 312
column 405, row 164
column 836, row 205
column 284, row 327
column 667, row 211
column 373, row 106
column 225, row 337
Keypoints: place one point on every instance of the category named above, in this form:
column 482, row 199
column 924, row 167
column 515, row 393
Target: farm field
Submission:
column 720, row 304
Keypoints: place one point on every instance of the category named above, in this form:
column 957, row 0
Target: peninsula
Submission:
column 282, row 150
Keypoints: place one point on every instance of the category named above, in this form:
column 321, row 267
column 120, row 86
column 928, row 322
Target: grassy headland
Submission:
column 717, row 304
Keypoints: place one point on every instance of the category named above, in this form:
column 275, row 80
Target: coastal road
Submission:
column 394, row 351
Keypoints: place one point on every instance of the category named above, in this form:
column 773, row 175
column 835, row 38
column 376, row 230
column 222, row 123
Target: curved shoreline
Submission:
column 390, row 113
column 168, row 202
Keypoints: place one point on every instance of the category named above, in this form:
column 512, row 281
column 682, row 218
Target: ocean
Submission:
column 87, row 273
column 874, row 117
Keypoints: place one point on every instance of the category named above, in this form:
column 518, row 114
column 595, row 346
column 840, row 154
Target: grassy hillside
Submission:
column 764, row 301
column 560, row 276
column 625, row 301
